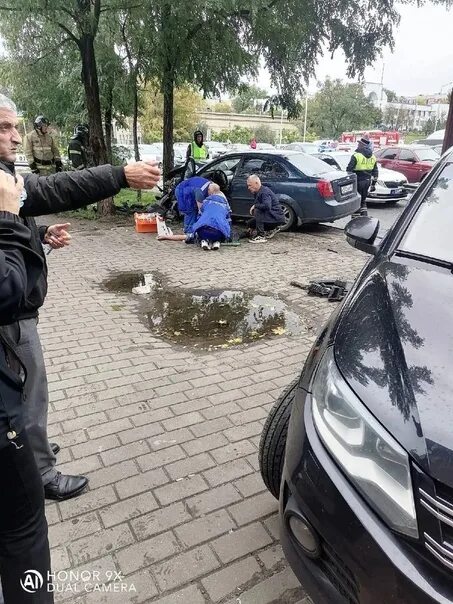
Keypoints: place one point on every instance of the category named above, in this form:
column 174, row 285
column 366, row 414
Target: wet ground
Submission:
column 206, row 319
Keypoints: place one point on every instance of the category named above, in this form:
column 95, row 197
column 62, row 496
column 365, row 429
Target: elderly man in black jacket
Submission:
column 267, row 211
column 24, row 543
column 48, row 195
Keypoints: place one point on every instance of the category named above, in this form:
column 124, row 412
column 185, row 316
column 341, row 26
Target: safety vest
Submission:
column 364, row 163
column 199, row 152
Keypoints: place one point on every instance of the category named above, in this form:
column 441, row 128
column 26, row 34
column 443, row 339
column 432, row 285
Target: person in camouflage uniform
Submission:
column 41, row 149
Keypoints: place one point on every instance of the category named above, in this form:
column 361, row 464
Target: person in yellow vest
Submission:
column 197, row 149
column 363, row 163
column 41, row 149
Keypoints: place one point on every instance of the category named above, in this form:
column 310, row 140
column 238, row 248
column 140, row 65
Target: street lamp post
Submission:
column 305, row 118
column 437, row 112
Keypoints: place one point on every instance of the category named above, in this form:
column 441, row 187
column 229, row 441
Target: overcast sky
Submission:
column 421, row 63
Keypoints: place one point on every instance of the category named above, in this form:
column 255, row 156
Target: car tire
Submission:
column 271, row 454
column 290, row 217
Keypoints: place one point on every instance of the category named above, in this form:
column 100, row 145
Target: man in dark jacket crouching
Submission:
column 48, row 195
column 267, row 211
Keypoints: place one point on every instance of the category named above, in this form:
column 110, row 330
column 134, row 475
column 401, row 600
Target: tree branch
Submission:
column 68, row 32
column 51, row 51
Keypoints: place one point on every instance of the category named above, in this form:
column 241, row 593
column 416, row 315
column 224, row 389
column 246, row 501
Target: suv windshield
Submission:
column 309, row 165
column 427, row 154
column 430, row 231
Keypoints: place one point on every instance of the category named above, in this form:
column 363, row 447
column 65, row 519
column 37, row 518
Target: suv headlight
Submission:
column 370, row 457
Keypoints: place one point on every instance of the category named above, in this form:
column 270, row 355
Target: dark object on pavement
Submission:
column 359, row 448
column 334, row 290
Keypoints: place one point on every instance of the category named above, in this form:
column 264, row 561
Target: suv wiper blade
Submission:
column 427, row 259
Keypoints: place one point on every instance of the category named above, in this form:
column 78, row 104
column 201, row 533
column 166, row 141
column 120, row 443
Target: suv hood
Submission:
column 394, row 347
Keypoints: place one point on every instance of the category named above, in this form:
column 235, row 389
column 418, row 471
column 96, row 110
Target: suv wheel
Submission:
column 290, row 217
column 273, row 440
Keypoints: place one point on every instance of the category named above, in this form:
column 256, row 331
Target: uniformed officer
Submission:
column 78, row 148
column 41, row 149
column 197, row 149
column 363, row 163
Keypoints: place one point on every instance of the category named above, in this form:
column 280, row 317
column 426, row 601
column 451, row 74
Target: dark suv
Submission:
column 308, row 189
column 366, row 484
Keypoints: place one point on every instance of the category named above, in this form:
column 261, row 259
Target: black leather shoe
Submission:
column 64, row 486
column 55, row 448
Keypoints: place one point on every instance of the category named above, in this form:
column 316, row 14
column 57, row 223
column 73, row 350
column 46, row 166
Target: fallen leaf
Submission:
column 279, row 331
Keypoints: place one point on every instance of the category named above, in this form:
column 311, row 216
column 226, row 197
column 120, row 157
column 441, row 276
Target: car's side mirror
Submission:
column 361, row 233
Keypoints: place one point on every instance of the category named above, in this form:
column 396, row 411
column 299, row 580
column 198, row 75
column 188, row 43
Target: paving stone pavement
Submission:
column 169, row 435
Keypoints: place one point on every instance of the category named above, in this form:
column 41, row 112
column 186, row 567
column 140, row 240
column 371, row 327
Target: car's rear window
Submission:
column 309, row 165
column 430, row 232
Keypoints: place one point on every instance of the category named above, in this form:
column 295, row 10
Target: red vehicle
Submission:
column 414, row 161
column 379, row 138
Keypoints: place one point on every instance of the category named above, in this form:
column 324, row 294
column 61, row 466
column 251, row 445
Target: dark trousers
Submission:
column 260, row 226
column 24, row 545
column 363, row 187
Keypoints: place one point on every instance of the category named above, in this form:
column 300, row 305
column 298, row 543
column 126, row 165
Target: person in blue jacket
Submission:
column 188, row 193
column 213, row 225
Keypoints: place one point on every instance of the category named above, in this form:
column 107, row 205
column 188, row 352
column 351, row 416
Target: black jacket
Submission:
column 267, row 206
column 20, row 268
column 77, row 154
column 59, row 193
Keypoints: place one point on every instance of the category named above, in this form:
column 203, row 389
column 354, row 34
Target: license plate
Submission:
column 396, row 191
column 347, row 189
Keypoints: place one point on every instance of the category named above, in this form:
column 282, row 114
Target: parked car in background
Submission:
column 390, row 187
column 309, row 148
column 414, row 161
column 239, row 147
column 359, row 448
column 147, row 153
column 264, row 146
column 216, row 149
column 308, row 189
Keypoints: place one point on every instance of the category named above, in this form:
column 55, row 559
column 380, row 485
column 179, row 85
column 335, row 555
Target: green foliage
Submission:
column 222, row 107
column 238, row 134
column 186, row 104
column 246, row 97
column 339, row 107
column 391, row 95
column 264, row 134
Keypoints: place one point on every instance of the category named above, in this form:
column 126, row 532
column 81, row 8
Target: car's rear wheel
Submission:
column 290, row 217
column 273, row 440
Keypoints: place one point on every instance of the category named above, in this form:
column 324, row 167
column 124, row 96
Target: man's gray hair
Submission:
column 254, row 178
column 7, row 103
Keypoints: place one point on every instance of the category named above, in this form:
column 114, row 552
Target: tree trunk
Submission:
column 168, row 83
column 448, row 140
column 134, row 76
column 168, row 90
column 108, row 123
column 93, row 105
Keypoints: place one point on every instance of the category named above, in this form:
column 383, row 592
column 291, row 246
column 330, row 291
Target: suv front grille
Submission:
column 439, row 504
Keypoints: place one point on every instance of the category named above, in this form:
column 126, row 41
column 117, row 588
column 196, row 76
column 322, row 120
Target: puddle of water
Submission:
column 124, row 282
column 208, row 319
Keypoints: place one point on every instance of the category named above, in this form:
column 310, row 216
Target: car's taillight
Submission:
column 325, row 188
